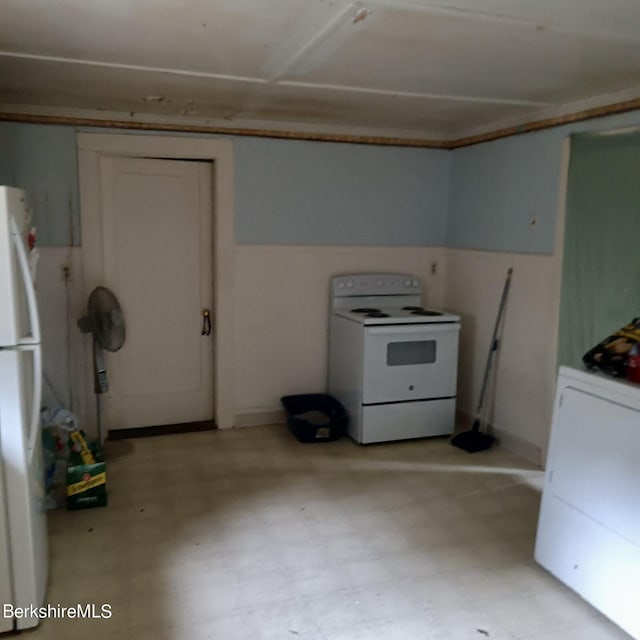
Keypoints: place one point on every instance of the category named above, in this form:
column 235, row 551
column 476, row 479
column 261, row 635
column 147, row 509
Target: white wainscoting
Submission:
column 61, row 303
column 281, row 314
column 280, row 327
column 519, row 404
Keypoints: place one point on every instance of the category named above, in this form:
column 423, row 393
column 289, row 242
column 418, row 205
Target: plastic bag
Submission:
column 57, row 425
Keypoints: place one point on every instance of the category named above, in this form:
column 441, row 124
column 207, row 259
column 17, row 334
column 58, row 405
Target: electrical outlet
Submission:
column 66, row 273
column 434, row 268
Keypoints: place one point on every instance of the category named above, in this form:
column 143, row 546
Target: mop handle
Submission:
column 494, row 340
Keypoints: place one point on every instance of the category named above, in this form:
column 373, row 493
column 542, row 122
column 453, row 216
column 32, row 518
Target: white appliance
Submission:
column 23, row 520
column 589, row 527
column 392, row 363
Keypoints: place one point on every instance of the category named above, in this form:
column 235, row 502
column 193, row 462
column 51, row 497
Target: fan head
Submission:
column 104, row 319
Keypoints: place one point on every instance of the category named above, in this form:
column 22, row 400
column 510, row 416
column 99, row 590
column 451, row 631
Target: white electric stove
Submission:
column 392, row 362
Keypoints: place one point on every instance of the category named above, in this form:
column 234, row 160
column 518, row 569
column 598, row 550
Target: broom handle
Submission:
column 494, row 340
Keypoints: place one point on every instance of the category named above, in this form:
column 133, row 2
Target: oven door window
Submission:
column 411, row 352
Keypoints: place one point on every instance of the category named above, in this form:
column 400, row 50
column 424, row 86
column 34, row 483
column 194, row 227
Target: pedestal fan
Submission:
column 105, row 321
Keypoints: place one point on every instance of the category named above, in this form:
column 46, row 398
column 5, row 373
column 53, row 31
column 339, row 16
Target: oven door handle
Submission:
column 410, row 329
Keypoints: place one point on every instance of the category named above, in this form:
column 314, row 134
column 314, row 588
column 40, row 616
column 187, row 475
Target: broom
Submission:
column 474, row 439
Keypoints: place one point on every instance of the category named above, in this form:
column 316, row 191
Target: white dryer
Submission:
column 589, row 527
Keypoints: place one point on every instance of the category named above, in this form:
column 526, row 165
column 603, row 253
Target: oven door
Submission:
column 410, row 362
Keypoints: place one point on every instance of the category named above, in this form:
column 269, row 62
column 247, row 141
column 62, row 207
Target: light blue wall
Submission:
column 496, row 190
column 298, row 192
column 42, row 160
column 287, row 191
column 498, row 187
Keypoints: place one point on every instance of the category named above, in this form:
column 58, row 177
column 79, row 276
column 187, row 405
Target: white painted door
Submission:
column 157, row 257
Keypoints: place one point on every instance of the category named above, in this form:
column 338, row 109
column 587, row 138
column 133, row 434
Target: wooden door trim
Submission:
column 91, row 147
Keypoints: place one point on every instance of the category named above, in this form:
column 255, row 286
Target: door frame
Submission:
column 91, row 148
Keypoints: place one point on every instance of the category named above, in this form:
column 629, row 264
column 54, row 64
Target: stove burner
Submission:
column 425, row 312
column 412, row 309
column 377, row 314
column 365, row 310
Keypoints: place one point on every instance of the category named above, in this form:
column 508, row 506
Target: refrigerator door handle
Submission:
column 34, row 338
column 34, row 425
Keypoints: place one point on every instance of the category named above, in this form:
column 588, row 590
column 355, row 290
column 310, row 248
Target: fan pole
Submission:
column 99, row 418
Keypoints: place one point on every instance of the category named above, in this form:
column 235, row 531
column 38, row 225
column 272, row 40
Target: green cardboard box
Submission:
column 86, row 483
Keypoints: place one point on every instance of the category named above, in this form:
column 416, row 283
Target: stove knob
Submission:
column 380, row 283
column 350, row 284
column 414, row 283
column 407, row 283
column 340, row 285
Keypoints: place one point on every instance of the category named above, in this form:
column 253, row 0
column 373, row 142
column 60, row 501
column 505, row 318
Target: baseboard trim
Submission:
column 519, row 446
column 161, row 430
column 259, row 418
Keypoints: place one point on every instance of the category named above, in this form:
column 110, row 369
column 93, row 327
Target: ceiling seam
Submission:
column 134, row 67
column 273, row 79
column 412, row 94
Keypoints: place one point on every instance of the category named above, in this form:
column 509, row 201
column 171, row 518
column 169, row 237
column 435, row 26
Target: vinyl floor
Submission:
column 247, row 534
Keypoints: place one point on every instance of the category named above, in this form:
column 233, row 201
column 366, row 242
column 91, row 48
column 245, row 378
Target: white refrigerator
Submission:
column 23, row 518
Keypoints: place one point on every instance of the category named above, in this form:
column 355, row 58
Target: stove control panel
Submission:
column 379, row 284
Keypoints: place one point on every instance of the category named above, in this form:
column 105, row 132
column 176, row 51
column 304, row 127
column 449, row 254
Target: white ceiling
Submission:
column 424, row 69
